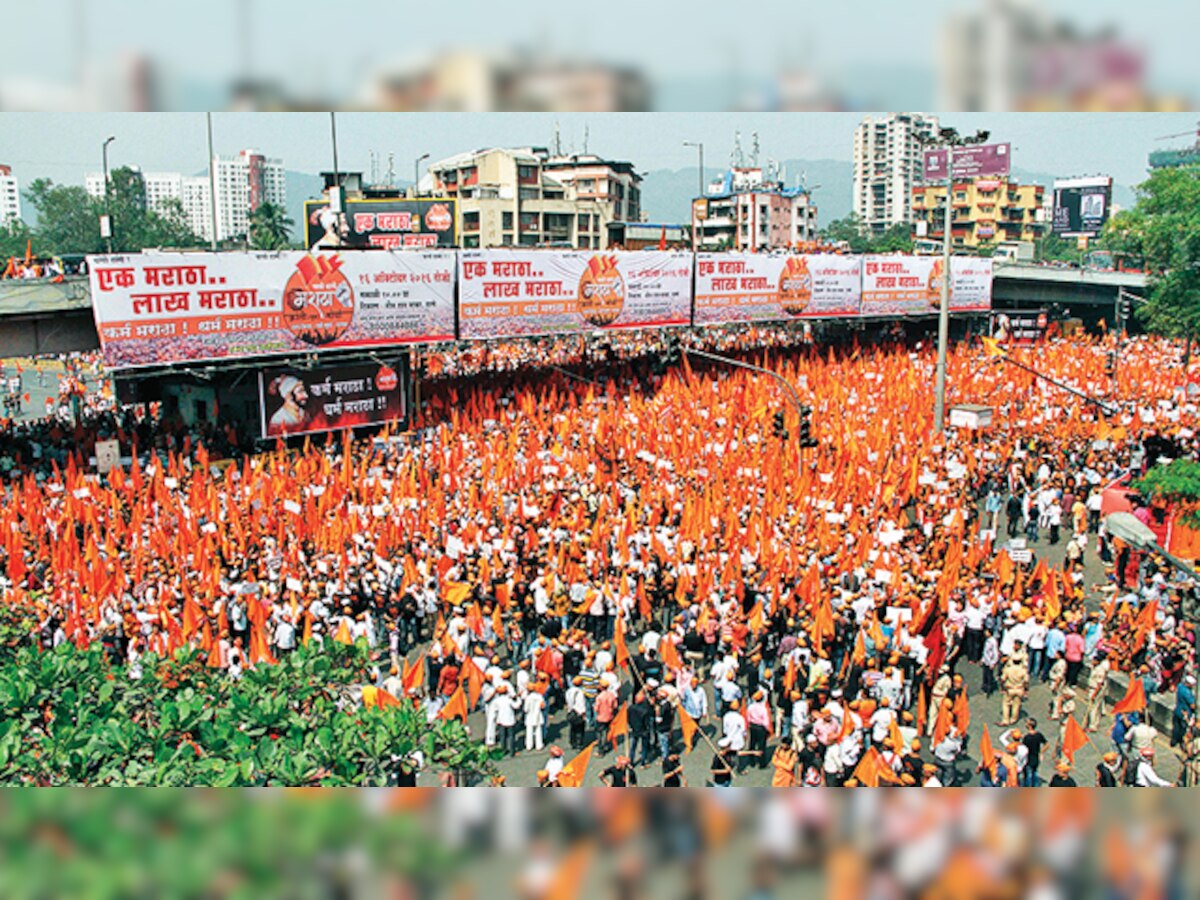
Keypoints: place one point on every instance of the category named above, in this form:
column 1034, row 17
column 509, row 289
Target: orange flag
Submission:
column 872, row 770
column 575, row 771
column 621, row 654
column 895, row 738
column 456, row 706
column 756, row 620
column 987, row 754
column 689, row 726
column 566, row 883
column 1134, row 699
column 962, row 713
column 619, row 725
column 342, row 635
column 414, row 677
column 1074, row 738
column 670, row 656
column 383, row 699
column 475, row 680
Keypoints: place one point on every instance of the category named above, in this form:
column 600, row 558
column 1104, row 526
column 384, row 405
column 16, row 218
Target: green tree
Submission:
column 896, row 239
column 1049, row 247
column 1177, row 482
column 270, row 227
column 13, row 240
column 1163, row 228
column 68, row 220
column 850, row 230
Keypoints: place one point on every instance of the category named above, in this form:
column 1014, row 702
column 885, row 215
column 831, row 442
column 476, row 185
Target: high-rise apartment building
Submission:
column 10, row 196
column 888, row 159
column 244, row 182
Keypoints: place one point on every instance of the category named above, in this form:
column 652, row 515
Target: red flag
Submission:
column 1134, row 699
column 662, row 239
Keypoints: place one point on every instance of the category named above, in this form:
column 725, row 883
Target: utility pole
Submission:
column 212, row 184
column 108, row 224
column 948, row 138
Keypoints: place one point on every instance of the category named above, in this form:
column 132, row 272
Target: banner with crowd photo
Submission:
column 756, row 287
column 912, row 285
column 161, row 308
column 329, row 398
column 521, row 293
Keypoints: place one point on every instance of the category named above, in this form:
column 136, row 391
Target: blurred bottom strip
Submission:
column 542, row 845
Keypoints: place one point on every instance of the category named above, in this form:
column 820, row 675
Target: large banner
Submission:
column 1081, row 205
column 161, row 308
column 970, row 284
column 327, row 398
column 391, row 224
column 755, row 287
column 513, row 293
column 901, row 285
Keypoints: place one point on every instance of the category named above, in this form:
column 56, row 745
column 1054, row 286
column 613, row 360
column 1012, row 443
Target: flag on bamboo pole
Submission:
column 574, row 772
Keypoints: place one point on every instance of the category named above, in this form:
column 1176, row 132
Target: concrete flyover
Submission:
column 1019, row 285
column 56, row 317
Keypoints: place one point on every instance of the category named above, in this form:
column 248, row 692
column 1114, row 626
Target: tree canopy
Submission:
column 896, row 239
column 1164, row 229
column 68, row 219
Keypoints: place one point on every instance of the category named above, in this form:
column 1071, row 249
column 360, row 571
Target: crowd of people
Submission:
column 634, row 560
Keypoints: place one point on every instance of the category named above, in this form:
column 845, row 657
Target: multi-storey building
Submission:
column 984, row 212
column 744, row 209
column 10, row 196
column 888, row 163
column 244, row 182
column 527, row 197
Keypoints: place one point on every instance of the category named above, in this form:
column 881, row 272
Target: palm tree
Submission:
column 270, row 227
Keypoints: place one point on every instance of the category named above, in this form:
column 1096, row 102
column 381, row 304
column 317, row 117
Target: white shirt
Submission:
column 733, row 726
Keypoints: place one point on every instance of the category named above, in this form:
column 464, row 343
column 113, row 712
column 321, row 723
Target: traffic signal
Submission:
column 671, row 353
column 1110, row 364
column 779, row 425
column 1126, row 309
column 807, row 441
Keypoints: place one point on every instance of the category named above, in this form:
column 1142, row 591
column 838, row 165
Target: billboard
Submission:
column 391, row 224
column 516, row 293
column 1019, row 326
column 912, row 285
column 974, row 161
column 1081, row 205
column 754, row 287
column 329, row 398
column 155, row 309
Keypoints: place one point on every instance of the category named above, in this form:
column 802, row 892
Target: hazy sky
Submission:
column 66, row 146
column 316, row 45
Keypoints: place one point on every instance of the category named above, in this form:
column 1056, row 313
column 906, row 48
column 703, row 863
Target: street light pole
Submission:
column 699, row 145
column 939, row 404
column 107, row 202
column 417, row 172
column 212, row 184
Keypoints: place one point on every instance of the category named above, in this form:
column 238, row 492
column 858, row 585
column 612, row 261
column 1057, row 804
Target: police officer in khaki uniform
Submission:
column 1014, row 681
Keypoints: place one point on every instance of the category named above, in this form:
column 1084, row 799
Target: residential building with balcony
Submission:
column 526, row 197
column 984, row 212
column 745, row 209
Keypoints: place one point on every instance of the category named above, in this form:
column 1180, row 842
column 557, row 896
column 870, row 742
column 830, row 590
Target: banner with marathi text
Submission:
column 516, row 293
column 757, row 287
column 163, row 308
column 327, row 398
column 912, row 285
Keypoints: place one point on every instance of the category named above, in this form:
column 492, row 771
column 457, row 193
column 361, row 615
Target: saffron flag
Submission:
column 1074, row 738
column 1134, row 699
column 689, row 726
column 456, row 706
column 574, row 772
column 619, row 726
